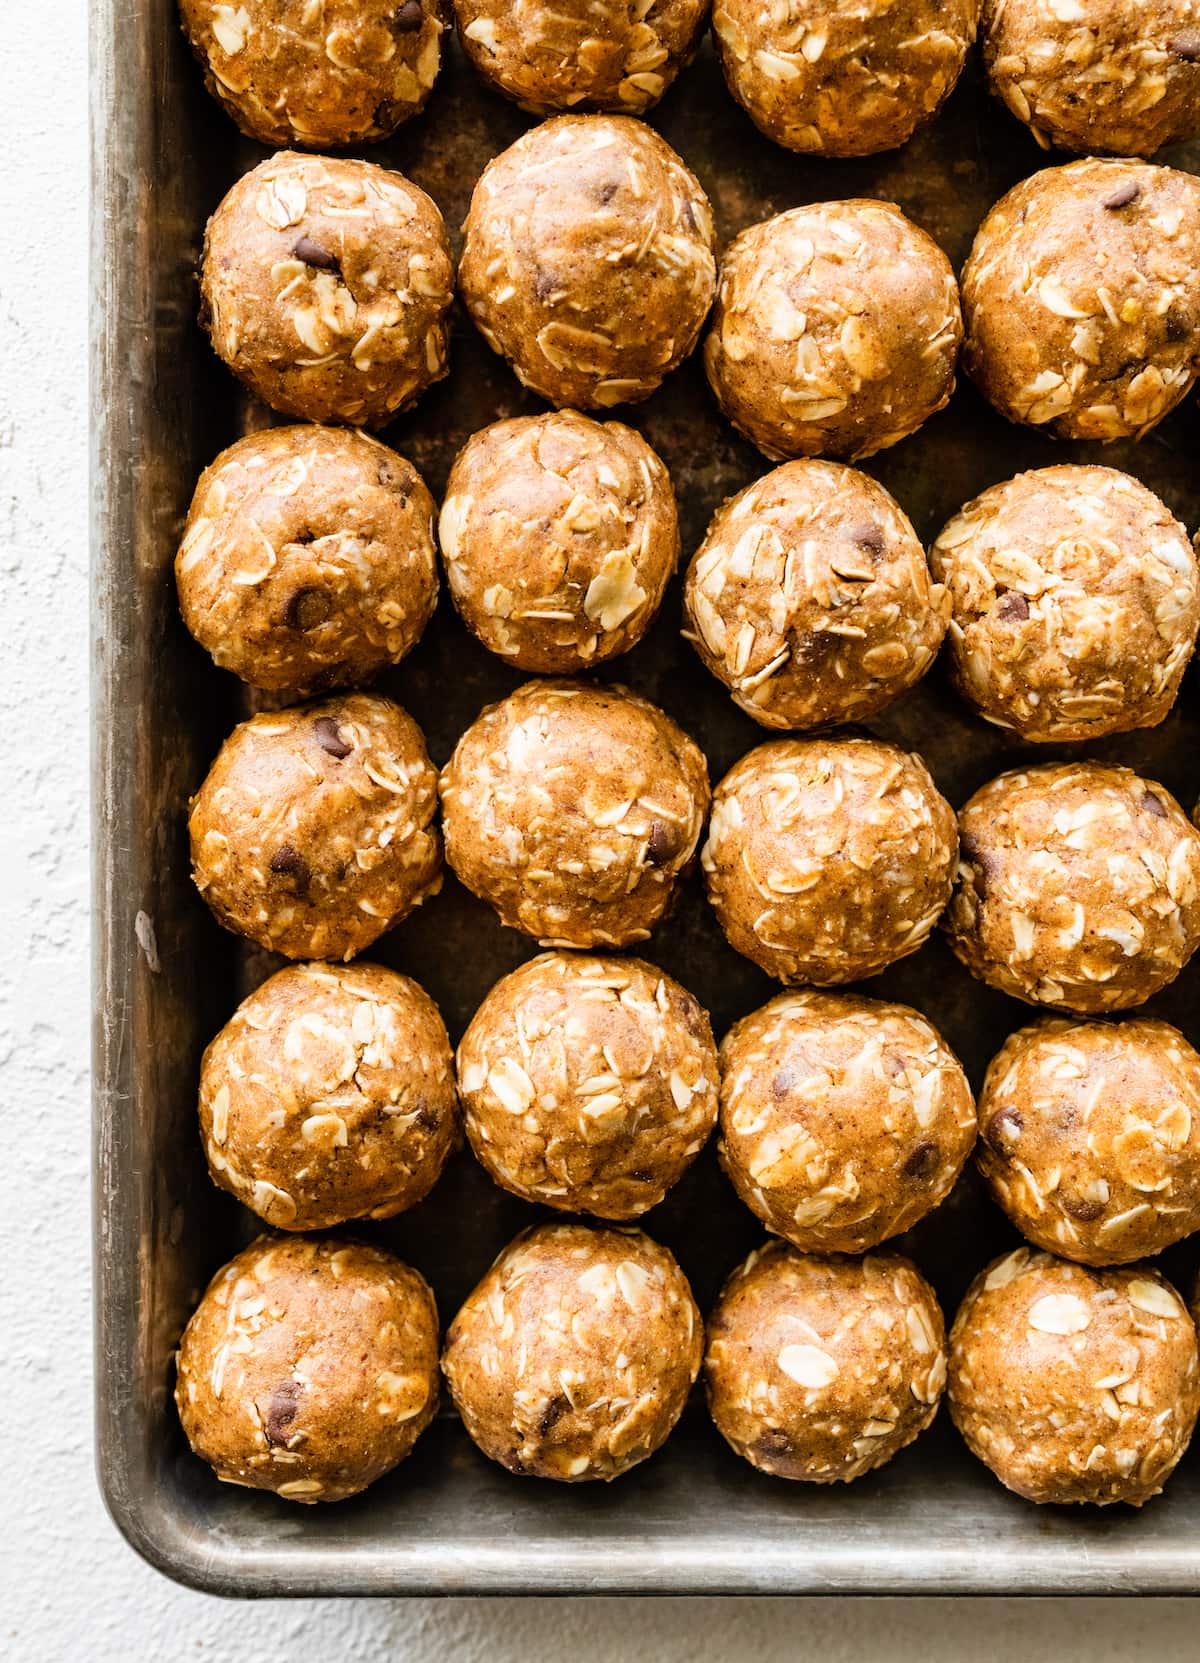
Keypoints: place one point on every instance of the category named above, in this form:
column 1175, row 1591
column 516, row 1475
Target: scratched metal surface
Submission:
column 695, row 1518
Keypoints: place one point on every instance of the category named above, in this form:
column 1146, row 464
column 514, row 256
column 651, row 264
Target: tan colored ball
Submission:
column 822, row 1369
column 560, row 535
column 574, row 1356
column 309, row 1368
column 1074, row 1385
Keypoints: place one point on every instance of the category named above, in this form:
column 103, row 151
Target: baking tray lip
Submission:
column 124, row 118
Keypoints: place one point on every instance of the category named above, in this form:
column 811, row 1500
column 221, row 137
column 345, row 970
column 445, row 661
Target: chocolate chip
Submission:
column 1154, row 805
column 392, row 478
column 282, row 1410
column 783, row 1082
column 306, row 609
column 1123, row 195
column 304, row 248
column 545, row 284
column 329, row 738
column 1178, row 323
column 923, row 1161
column 287, row 863
column 1012, row 607
column 1087, row 1212
column 409, row 18
column 642, row 1175
column 606, row 192
column 1005, row 1126
column 813, row 645
column 663, row 842
column 1186, row 45
column 773, row 1442
column 868, row 536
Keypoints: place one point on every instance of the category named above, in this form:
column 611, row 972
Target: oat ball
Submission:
column 309, row 1367
column 843, row 1120
column 560, row 535
column 588, row 259
column 329, row 1095
column 828, row 859
column 1090, row 1137
column 1097, row 75
column 336, row 73
column 1078, row 887
column 607, row 55
column 574, row 1356
column 314, row 832
column 573, row 810
column 1081, row 305
column 1076, row 602
column 836, row 330
column 307, row 561
column 843, row 79
column 325, row 286
column 1074, row 1385
column 821, row 1369
column 588, row 1084
column 811, row 600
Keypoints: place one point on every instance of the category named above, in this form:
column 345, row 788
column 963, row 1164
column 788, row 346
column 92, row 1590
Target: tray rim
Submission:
column 121, row 341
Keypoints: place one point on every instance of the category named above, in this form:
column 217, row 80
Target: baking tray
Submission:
column 695, row 1518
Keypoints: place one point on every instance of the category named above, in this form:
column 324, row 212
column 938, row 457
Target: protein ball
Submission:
column 1090, row 1137
column 308, row 560
column 811, row 600
column 1074, row 1385
column 1076, row 601
column 321, row 76
column 588, row 1084
column 608, row 55
column 573, row 810
column 329, row 1095
column 574, row 1356
column 821, row 1369
column 309, row 1367
column 1100, row 75
column 836, row 330
column 326, row 287
column 314, row 830
column 843, row 79
column 843, row 1120
column 828, row 859
column 1082, row 311
column 588, row 259
column 560, row 535
column 1078, row 887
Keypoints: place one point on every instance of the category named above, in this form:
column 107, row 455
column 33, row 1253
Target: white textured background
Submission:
column 69, row 1588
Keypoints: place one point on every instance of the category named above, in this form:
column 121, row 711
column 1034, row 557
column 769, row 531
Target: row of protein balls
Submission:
column 589, row 263
column 827, row 77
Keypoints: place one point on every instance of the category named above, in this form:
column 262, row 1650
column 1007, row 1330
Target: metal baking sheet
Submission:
column 695, row 1518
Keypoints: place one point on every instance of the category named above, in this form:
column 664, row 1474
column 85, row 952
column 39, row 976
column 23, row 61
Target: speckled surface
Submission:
column 69, row 1588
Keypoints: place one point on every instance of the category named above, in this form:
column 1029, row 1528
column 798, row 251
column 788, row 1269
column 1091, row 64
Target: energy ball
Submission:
column 573, row 810
column 1074, row 1385
column 1078, row 887
column 811, row 600
column 560, row 535
column 574, row 1356
column 329, row 1095
column 314, row 830
column 1082, row 311
column 1090, row 1137
column 821, row 1369
column 588, row 1084
column 588, row 259
column 828, row 859
column 1097, row 75
column 607, row 55
column 836, row 331
column 326, row 287
column 1076, row 601
column 320, row 76
column 843, row 79
column 309, row 1367
column 308, row 560
column 843, row 1120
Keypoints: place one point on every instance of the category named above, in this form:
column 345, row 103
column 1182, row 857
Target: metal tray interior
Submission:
column 695, row 1518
